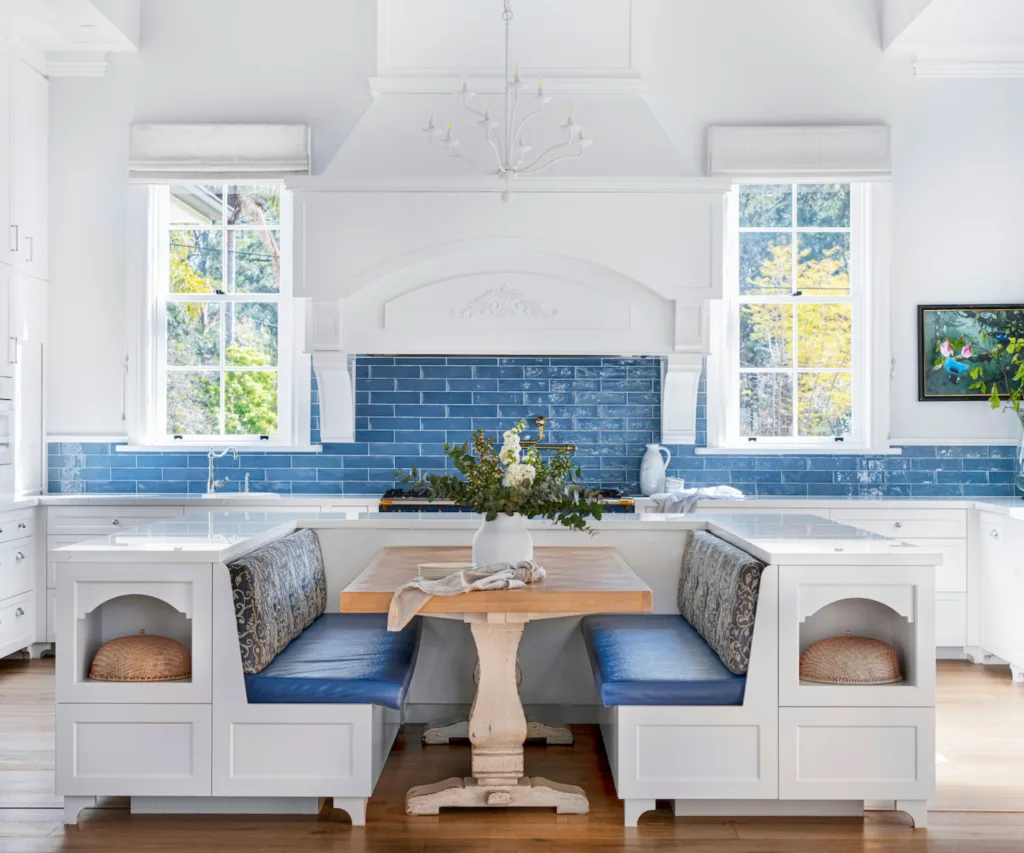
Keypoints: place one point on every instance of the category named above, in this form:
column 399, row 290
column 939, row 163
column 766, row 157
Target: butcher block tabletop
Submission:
column 579, row 580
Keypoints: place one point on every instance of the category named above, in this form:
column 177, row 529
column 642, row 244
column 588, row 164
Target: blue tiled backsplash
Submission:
column 406, row 408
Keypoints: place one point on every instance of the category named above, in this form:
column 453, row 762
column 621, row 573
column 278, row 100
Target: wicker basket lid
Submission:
column 141, row 658
column 850, row 660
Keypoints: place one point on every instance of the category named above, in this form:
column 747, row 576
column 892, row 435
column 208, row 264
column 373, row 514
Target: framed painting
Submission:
column 953, row 340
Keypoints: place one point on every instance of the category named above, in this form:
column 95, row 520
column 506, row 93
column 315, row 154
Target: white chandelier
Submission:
column 509, row 144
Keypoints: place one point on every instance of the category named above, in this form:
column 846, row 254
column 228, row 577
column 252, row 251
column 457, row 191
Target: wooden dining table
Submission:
column 580, row 580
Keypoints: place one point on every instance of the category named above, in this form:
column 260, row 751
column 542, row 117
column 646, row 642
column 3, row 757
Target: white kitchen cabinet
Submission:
column 7, row 355
column 6, row 232
column 28, row 348
column 29, row 164
column 1001, row 543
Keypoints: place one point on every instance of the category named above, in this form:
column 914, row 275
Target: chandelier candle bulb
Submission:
column 509, row 163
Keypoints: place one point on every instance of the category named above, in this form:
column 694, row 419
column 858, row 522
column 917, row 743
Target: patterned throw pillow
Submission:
column 278, row 591
column 718, row 589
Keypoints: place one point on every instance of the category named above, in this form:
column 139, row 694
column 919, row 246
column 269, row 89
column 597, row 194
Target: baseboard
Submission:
column 768, row 808
column 226, row 805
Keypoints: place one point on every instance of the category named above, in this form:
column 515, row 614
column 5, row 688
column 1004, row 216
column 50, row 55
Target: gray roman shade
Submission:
column 162, row 153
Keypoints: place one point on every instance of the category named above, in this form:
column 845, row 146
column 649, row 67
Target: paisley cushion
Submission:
column 718, row 589
column 278, row 591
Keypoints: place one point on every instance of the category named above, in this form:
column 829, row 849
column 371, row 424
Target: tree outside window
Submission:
column 221, row 309
column 796, row 312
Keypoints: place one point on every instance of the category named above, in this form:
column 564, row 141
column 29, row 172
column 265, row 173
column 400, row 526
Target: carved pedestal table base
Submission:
column 497, row 731
column 444, row 733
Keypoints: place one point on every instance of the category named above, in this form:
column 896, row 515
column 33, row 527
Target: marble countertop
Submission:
column 217, row 536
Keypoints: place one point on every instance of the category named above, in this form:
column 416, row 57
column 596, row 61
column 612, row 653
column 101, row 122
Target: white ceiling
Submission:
column 958, row 38
column 70, row 37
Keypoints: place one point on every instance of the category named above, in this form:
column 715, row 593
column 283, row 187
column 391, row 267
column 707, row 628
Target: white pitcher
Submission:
column 652, row 470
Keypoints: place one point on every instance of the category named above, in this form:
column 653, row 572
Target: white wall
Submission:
column 959, row 173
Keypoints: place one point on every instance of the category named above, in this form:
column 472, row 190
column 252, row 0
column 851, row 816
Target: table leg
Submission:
column 497, row 730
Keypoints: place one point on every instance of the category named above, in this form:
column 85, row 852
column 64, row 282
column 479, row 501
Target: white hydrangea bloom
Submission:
column 518, row 475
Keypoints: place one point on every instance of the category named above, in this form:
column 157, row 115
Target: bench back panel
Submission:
column 278, row 591
column 718, row 588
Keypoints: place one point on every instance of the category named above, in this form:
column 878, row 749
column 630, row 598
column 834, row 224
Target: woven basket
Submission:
column 850, row 660
column 141, row 658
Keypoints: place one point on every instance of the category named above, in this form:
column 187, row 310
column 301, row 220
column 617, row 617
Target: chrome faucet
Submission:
column 211, row 484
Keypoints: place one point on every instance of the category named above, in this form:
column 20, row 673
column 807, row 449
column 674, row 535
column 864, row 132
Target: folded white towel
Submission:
column 685, row 500
column 409, row 599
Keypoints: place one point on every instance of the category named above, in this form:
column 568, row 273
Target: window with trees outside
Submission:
column 220, row 306
column 795, row 315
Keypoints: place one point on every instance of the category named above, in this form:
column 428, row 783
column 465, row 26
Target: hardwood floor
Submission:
column 980, row 743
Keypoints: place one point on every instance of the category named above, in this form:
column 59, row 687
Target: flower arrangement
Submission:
column 511, row 481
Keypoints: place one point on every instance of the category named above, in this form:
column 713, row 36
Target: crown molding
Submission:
column 75, row 65
column 969, row 69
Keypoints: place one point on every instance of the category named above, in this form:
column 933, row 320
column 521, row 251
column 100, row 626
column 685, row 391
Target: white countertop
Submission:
column 1013, row 507
column 217, row 537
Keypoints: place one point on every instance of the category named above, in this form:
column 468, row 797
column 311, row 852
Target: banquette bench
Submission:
column 310, row 702
column 690, row 700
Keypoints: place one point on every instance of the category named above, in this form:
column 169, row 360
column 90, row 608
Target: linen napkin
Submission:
column 685, row 501
column 409, row 598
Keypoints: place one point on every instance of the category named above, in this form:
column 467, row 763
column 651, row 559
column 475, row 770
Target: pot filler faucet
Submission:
column 211, row 484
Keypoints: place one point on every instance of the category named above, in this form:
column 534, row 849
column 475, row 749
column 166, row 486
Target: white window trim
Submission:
column 147, row 261
column 871, row 255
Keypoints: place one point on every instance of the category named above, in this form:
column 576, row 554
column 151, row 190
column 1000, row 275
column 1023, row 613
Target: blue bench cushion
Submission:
column 718, row 588
column 640, row 659
column 278, row 590
column 342, row 658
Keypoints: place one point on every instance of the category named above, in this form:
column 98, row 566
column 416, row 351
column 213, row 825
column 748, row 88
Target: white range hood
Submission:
column 403, row 249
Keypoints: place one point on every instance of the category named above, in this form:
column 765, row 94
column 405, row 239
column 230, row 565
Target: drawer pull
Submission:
column 994, row 534
column 115, row 521
column 19, row 612
column 22, row 525
column 19, row 556
column 898, row 524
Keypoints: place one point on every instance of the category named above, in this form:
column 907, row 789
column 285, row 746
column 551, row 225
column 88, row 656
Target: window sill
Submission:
column 199, row 447
column 797, row 450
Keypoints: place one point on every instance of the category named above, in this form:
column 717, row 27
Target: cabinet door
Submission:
column 28, row 333
column 29, row 168
column 6, row 232
column 6, row 344
column 1000, row 589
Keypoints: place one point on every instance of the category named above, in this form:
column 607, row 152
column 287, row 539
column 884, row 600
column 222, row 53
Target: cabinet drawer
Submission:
column 951, row 576
column 92, row 521
column 856, row 753
column 140, row 750
column 17, row 569
column 951, row 619
column 907, row 523
column 17, row 624
column 17, row 526
column 354, row 511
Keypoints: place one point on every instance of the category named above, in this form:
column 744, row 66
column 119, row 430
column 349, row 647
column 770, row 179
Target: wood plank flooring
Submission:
column 979, row 806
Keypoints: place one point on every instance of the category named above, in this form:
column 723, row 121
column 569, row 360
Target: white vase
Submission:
column 652, row 470
column 504, row 540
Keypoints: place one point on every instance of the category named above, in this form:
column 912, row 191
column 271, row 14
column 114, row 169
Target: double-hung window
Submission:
column 793, row 368
column 222, row 314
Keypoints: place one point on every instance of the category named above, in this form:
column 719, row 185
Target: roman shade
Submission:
column 813, row 153
column 162, row 153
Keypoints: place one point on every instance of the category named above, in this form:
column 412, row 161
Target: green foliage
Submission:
column 1006, row 354
column 555, row 493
